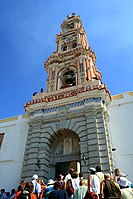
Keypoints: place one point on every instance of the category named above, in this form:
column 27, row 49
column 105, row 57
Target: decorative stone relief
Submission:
column 63, row 110
column 75, row 147
column 67, row 145
column 59, row 149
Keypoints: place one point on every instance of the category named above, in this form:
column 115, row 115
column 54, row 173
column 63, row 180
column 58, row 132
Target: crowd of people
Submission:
column 98, row 185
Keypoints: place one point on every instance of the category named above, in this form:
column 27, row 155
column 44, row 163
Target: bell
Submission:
column 69, row 79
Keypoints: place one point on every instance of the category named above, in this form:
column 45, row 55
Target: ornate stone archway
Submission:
column 64, row 150
column 87, row 124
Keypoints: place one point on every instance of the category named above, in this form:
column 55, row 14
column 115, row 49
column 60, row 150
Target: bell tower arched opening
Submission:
column 67, row 77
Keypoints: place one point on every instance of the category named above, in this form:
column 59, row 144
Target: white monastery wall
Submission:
column 15, row 131
column 121, row 128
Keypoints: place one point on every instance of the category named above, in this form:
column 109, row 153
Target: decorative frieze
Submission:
column 70, row 106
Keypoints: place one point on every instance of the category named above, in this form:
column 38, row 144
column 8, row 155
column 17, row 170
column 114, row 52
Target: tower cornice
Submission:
column 43, row 99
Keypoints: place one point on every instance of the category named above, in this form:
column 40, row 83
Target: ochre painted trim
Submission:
column 130, row 93
column 6, row 161
column 116, row 97
column 9, row 119
column 25, row 116
column 8, row 125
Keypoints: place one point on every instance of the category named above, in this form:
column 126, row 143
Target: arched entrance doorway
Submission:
column 65, row 152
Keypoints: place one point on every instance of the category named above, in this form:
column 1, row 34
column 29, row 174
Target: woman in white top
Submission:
column 72, row 184
column 93, row 182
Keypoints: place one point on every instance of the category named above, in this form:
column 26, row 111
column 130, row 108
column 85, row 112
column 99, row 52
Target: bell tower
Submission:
column 69, row 122
column 73, row 62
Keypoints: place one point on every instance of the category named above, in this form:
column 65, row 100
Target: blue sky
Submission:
column 27, row 39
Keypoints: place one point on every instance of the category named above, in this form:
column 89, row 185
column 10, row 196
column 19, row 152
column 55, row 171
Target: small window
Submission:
column 70, row 26
column 64, row 48
column 1, row 139
column 74, row 45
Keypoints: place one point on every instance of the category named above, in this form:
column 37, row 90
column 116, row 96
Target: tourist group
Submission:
column 98, row 185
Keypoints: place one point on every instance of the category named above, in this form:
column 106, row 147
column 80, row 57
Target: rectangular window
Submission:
column 1, row 138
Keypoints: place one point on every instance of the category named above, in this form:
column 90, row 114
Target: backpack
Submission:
column 90, row 195
column 24, row 195
column 113, row 189
column 70, row 189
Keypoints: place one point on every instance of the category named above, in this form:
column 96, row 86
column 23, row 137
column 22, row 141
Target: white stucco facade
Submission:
column 121, row 128
column 12, row 150
column 16, row 128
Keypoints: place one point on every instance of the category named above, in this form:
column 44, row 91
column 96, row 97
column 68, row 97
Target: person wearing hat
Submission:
column 37, row 187
column 49, row 188
column 130, row 184
column 126, row 191
column 93, row 182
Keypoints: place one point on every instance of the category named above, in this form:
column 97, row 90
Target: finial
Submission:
column 70, row 16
